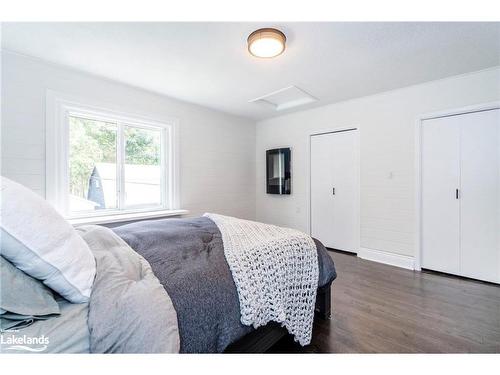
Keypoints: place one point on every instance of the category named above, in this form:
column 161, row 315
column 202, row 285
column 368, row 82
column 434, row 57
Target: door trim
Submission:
column 418, row 164
column 356, row 131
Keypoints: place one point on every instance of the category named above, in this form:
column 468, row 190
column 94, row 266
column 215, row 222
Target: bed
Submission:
column 187, row 256
column 159, row 286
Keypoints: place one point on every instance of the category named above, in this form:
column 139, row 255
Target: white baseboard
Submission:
column 385, row 257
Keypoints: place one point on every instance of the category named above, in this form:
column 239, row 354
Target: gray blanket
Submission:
column 129, row 311
column 187, row 256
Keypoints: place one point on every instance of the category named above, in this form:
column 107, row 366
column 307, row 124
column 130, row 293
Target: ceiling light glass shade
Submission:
column 266, row 43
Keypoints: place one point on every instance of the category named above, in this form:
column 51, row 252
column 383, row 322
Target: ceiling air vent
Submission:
column 286, row 98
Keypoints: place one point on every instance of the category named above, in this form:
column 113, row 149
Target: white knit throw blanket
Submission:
column 275, row 271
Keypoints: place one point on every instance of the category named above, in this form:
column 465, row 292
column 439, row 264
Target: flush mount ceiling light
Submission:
column 266, row 43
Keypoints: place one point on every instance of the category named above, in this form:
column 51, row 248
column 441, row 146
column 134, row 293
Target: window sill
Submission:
column 130, row 216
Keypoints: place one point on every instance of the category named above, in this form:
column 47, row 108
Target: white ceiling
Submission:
column 208, row 63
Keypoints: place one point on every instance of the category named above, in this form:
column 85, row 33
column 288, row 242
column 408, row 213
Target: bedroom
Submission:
column 263, row 187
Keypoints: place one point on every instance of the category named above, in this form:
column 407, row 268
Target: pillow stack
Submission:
column 36, row 239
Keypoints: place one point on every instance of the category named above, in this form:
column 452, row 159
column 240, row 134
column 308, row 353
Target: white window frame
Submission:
column 58, row 109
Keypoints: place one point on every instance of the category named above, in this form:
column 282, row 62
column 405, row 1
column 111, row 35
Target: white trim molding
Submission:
column 119, row 218
column 398, row 260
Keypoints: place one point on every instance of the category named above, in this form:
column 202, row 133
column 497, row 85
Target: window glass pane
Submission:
column 142, row 167
column 92, row 165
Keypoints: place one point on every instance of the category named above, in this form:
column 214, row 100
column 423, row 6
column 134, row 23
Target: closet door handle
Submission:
column 333, row 191
column 457, row 194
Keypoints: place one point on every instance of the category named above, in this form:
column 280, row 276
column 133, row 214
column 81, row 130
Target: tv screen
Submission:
column 278, row 171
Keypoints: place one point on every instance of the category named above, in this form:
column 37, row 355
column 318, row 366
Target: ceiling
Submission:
column 208, row 63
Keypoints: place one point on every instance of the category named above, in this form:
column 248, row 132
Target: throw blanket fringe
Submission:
column 275, row 271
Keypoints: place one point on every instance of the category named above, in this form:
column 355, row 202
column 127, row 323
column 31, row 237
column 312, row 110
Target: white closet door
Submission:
column 440, row 206
column 334, row 218
column 321, row 189
column 480, row 195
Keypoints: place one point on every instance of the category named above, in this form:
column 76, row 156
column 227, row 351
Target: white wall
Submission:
column 387, row 139
column 217, row 151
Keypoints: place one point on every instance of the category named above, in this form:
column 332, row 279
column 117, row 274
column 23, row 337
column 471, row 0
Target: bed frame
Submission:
column 263, row 338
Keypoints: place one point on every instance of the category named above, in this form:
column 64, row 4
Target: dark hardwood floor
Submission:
column 384, row 309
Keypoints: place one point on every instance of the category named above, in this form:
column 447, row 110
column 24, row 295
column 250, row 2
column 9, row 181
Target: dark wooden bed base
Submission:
column 263, row 338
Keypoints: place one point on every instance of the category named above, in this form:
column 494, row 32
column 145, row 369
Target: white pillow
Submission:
column 40, row 242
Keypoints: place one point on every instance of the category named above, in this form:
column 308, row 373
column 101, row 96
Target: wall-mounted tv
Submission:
column 278, row 177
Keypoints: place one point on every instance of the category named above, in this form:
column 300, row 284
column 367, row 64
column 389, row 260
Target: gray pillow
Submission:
column 23, row 295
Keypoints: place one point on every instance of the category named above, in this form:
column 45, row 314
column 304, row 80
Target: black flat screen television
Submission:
column 278, row 176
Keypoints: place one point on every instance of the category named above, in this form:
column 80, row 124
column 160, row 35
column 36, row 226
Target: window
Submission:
column 103, row 163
